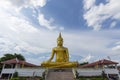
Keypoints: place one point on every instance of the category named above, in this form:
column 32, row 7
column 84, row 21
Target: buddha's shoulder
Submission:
column 65, row 47
column 54, row 48
column 60, row 48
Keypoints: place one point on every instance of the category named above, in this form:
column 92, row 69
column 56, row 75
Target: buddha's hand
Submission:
column 48, row 60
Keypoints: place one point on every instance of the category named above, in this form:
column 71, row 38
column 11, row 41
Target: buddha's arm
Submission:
column 52, row 55
column 67, row 55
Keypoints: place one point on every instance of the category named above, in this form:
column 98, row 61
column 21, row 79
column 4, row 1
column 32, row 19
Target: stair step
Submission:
column 60, row 75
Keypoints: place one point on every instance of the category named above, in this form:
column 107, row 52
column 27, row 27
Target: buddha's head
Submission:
column 60, row 40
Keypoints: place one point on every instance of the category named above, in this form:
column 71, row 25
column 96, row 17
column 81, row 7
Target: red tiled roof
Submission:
column 16, row 61
column 100, row 62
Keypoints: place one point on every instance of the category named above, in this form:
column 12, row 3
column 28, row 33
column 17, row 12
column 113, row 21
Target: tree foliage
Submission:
column 9, row 56
column 84, row 63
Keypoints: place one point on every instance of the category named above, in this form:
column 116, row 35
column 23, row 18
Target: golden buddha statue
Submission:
column 62, row 57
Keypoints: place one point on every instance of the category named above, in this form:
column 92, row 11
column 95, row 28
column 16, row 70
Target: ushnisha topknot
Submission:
column 60, row 37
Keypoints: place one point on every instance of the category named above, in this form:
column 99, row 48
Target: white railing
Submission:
column 24, row 71
column 74, row 72
column 111, row 71
column 30, row 72
column 97, row 72
column 5, row 71
column 89, row 72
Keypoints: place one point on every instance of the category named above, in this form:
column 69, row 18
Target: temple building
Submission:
column 104, row 63
column 108, row 67
column 23, row 68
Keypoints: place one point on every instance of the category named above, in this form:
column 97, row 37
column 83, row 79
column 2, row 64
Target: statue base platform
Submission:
column 60, row 74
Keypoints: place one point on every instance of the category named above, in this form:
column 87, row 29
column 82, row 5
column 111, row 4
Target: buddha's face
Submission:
column 59, row 42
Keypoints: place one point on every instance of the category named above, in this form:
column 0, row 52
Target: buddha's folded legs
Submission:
column 59, row 65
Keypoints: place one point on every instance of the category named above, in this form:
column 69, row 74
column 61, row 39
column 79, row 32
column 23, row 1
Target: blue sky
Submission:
column 90, row 28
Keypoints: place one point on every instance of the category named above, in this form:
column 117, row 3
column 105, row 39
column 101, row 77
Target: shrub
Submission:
column 14, row 79
column 15, row 75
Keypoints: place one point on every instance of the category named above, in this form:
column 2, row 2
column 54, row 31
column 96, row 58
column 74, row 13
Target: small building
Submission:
column 108, row 67
column 104, row 63
column 23, row 68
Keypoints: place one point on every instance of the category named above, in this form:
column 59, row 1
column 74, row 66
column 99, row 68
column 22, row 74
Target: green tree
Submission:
column 9, row 56
column 19, row 56
column 84, row 63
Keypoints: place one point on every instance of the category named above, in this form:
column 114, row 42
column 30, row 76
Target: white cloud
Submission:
column 26, row 3
column 40, row 3
column 14, row 7
column 88, row 4
column 116, row 47
column 17, row 5
column 95, row 15
column 46, row 23
column 87, row 58
column 49, row 24
column 17, row 33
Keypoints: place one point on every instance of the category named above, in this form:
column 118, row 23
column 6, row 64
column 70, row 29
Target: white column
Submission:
column 3, row 66
column 115, row 66
column 2, row 70
column 16, row 66
column 8, row 76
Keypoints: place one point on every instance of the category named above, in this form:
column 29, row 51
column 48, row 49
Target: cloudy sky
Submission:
column 90, row 28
